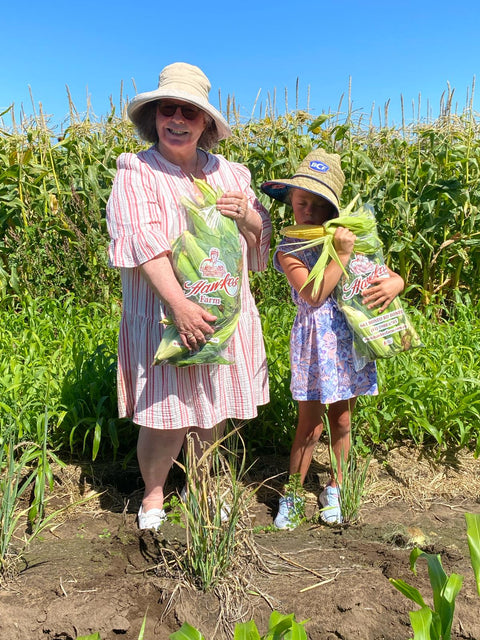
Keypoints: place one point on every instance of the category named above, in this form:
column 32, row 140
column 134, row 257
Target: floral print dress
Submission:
column 321, row 348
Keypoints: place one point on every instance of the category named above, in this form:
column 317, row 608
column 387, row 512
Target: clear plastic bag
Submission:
column 208, row 264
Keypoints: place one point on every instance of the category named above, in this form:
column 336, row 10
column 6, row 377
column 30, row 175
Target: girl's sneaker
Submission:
column 151, row 519
column 329, row 499
column 290, row 512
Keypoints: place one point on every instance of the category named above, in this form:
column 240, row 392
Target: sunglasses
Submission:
column 169, row 109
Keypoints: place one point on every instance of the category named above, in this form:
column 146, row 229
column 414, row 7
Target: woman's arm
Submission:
column 297, row 273
column 188, row 317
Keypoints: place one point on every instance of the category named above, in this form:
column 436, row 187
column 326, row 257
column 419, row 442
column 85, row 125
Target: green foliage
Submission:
column 354, row 470
column 280, row 627
column 436, row 623
column 473, row 536
column 59, row 368
column 294, row 488
column 423, row 181
column 431, row 395
column 274, row 428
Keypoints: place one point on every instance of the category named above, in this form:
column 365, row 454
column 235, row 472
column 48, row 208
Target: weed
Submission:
column 280, row 627
column 436, row 623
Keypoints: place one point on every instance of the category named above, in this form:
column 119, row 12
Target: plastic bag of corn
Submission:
column 375, row 334
column 208, row 264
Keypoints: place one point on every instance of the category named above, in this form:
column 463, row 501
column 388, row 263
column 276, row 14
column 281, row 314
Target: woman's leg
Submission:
column 309, row 430
column 339, row 418
column 157, row 449
column 206, row 436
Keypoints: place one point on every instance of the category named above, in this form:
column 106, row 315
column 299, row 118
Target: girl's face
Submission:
column 308, row 208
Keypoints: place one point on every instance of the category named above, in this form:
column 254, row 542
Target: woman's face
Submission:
column 179, row 126
column 308, row 208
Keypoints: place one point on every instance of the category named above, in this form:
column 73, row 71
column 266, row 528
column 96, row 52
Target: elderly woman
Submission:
column 144, row 216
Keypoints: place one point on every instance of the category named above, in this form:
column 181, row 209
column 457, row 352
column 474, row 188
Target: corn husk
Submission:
column 362, row 223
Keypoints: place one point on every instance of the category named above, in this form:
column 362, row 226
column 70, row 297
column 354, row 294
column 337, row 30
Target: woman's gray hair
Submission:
column 147, row 129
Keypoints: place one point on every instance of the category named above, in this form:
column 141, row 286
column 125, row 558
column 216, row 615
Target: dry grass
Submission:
column 412, row 476
column 406, row 474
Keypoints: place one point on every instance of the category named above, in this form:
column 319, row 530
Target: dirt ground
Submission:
column 92, row 571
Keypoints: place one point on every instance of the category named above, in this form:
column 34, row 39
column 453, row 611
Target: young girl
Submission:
column 323, row 375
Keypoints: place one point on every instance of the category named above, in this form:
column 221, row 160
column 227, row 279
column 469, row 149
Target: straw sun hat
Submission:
column 319, row 172
column 185, row 82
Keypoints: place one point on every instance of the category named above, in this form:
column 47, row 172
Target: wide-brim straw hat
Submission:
column 319, row 172
column 181, row 81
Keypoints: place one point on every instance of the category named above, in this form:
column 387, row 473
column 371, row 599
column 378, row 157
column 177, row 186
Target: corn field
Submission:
column 60, row 302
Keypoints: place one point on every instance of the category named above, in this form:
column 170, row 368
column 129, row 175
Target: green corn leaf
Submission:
column 438, row 577
column 473, row 535
column 297, row 632
column 317, row 123
column 422, row 624
column 96, row 439
column 277, row 618
column 246, row 631
column 407, row 590
column 142, row 629
column 284, row 626
column 186, row 632
column 447, row 606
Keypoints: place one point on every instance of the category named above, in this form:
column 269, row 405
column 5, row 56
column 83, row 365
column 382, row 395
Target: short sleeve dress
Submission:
column 321, row 347
column 144, row 216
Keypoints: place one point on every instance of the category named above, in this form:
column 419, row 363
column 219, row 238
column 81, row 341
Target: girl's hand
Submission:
column 382, row 291
column 343, row 241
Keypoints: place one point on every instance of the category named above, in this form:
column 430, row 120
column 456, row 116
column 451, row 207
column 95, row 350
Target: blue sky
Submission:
column 388, row 49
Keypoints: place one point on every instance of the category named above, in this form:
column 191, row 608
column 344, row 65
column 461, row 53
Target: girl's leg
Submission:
column 309, row 430
column 339, row 418
column 157, row 449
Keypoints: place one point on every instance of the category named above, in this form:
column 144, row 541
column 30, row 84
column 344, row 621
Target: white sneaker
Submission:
column 330, row 500
column 290, row 512
column 151, row 519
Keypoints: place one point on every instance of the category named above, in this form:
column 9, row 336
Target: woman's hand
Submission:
column 235, row 205
column 382, row 291
column 194, row 324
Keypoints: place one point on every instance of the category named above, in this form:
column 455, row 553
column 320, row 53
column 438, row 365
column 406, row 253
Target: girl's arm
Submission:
column 297, row 273
column 382, row 291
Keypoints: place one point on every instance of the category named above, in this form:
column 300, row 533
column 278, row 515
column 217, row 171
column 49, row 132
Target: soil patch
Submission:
column 93, row 571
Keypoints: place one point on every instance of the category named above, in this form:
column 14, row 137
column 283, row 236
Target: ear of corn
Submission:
column 362, row 223
column 210, row 229
column 375, row 334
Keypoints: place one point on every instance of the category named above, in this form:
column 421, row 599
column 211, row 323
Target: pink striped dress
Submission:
column 143, row 216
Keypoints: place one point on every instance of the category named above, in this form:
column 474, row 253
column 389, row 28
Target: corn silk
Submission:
column 207, row 260
column 375, row 334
